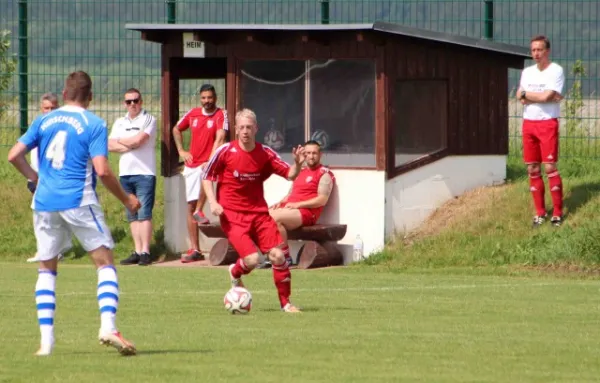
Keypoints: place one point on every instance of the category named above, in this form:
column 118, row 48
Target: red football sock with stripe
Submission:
column 239, row 269
column 536, row 186
column 286, row 253
column 283, row 282
column 556, row 191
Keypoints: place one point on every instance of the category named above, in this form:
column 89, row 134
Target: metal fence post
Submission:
column 171, row 12
column 324, row 11
column 489, row 20
column 23, row 50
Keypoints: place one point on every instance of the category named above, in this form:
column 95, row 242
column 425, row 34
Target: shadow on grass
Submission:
column 515, row 170
column 148, row 352
column 580, row 195
column 156, row 249
column 173, row 351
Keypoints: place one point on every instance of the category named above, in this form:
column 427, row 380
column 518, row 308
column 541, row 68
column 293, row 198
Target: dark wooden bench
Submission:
column 319, row 248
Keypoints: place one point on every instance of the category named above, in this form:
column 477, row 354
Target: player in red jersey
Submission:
column 303, row 204
column 240, row 169
column 209, row 126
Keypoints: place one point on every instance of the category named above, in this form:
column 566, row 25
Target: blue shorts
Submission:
column 143, row 187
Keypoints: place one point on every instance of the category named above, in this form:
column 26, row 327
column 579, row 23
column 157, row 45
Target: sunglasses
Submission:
column 134, row 101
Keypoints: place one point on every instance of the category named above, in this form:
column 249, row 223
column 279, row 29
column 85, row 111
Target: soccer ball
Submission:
column 238, row 300
column 274, row 139
column 321, row 137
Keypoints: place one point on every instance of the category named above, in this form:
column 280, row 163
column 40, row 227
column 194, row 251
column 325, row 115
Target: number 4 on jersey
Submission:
column 56, row 150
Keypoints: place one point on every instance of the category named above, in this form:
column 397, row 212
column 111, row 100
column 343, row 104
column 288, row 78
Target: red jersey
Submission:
column 204, row 131
column 306, row 186
column 240, row 176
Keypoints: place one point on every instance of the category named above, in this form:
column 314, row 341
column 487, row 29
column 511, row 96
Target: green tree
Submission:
column 8, row 65
column 574, row 103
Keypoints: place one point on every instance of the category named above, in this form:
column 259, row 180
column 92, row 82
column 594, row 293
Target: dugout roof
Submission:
column 378, row 26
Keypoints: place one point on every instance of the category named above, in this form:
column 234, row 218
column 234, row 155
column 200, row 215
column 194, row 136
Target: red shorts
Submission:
column 540, row 141
column 309, row 216
column 248, row 231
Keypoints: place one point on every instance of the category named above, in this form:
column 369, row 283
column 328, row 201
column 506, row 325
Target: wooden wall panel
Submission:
column 473, row 104
column 477, row 91
column 169, row 109
column 501, row 128
column 486, row 126
column 381, row 111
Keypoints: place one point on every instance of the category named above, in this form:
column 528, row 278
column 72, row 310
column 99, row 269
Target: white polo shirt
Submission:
column 534, row 80
column 142, row 160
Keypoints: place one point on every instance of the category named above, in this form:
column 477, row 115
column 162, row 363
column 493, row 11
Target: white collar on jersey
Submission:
column 72, row 108
column 141, row 114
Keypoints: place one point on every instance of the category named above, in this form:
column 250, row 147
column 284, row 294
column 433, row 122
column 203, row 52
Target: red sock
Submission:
column 536, row 186
column 286, row 253
column 239, row 269
column 556, row 191
column 283, row 282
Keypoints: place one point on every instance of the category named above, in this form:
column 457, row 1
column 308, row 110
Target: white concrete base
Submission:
column 412, row 197
column 176, row 238
column 372, row 207
column 356, row 200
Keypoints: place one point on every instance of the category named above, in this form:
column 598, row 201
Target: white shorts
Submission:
column 193, row 182
column 53, row 230
column 34, row 159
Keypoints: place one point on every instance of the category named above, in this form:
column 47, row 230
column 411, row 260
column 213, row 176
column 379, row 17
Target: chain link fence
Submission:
column 59, row 36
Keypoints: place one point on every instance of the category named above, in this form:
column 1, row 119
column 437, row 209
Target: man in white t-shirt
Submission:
column 134, row 137
column 540, row 91
column 48, row 103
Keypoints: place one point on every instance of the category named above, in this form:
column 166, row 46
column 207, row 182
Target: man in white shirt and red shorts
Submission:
column 540, row 91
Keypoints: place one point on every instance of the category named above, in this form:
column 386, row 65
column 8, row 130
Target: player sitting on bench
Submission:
column 303, row 204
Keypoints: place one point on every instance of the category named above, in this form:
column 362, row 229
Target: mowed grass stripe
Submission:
column 498, row 329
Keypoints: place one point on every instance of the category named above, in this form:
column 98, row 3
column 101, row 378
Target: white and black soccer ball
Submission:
column 238, row 300
column 321, row 137
column 274, row 139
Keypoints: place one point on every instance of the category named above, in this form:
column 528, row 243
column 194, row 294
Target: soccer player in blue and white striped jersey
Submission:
column 73, row 150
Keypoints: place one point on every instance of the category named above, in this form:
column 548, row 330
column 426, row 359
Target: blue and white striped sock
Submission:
column 108, row 297
column 45, row 299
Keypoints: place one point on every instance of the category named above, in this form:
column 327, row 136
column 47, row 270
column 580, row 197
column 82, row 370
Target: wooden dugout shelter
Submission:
column 408, row 117
column 431, row 94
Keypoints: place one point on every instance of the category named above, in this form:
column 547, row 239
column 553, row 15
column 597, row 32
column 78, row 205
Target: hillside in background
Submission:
column 69, row 34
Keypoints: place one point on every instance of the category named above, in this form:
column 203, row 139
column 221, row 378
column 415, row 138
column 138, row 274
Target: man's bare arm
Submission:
column 136, row 141
column 16, row 156
column 178, row 139
column 207, row 185
column 543, row 97
column 116, row 147
column 324, row 191
column 219, row 140
column 293, row 172
column 518, row 93
column 108, row 178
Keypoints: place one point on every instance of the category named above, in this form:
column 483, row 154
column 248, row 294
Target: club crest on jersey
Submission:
column 308, row 179
column 236, row 174
column 209, row 124
column 195, row 122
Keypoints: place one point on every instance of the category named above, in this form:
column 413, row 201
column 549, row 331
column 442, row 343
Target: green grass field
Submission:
column 359, row 325
column 475, row 295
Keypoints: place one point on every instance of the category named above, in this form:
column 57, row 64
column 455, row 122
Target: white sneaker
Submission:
column 33, row 259
column 290, row 308
column 235, row 282
column 116, row 340
column 45, row 350
column 37, row 259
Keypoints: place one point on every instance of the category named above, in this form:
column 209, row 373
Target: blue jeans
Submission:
column 143, row 187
